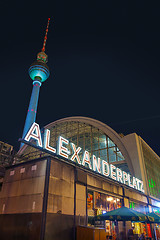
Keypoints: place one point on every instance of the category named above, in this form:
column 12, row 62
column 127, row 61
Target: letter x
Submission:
column 76, row 152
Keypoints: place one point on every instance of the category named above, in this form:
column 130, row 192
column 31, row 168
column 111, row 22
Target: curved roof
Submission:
column 103, row 127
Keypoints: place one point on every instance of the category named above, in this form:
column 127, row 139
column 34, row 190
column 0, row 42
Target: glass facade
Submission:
column 152, row 164
column 88, row 138
column 98, row 203
column 138, row 207
column 138, row 227
column 85, row 136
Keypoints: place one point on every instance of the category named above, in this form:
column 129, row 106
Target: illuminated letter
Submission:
column 86, row 159
column 113, row 174
column 138, row 184
column 34, row 133
column 76, row 151
column 96, row 166
column 134, row 183
column 47, row 140
column 119, row 175
column 63, row 151
column 129, row 180
column 125, row 177
column 105, row 168
column 142, row 187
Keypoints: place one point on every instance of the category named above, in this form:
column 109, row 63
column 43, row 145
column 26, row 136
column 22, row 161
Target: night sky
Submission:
column 104, row 60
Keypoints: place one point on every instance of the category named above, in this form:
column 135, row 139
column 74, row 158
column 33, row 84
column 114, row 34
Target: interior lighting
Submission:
column 109, row 199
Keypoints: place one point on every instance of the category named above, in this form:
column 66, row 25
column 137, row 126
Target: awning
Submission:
column 123, row 214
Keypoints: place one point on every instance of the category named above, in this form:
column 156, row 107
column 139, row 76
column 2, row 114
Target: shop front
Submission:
column 156, row 226
column 104, row 178
column 89, row 172
column 138, row 227
column 100, row 203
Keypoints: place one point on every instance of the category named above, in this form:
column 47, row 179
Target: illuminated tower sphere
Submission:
column 38, row 72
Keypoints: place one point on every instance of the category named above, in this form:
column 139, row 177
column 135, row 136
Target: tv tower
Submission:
column 38, row 72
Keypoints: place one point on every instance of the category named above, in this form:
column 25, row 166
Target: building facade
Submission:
column 82, row 169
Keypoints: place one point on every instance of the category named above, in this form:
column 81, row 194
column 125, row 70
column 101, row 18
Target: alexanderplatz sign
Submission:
column 93, row 163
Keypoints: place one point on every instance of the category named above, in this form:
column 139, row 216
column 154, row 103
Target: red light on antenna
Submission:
column 45, row 38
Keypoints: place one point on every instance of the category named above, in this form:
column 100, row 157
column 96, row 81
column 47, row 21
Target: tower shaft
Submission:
column 31, row 114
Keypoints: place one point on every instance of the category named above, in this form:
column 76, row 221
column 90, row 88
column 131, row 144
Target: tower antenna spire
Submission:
column 45, row 38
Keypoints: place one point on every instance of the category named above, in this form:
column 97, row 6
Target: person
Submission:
column 142, row 237
column 130, row 234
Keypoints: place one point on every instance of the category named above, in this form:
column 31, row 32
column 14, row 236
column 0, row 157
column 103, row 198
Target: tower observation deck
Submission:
column 38, row 72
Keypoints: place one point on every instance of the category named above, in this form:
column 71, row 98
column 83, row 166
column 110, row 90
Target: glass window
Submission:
column 83, row 135
column 95, row 139
column 87, row 136
column 96, row 153
column 103, row 154
column 102, row 141
column 90, row 200
column 103, row 202
column 119, row 155
column 112, row 154
column 110, row 143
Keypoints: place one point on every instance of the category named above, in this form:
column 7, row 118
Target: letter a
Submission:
column 34, row 133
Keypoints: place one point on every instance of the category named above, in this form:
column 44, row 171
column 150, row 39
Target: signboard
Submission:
column 93, row 163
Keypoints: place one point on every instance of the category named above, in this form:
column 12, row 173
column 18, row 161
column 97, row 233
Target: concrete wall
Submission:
column 133, row 145
column 22, row 194
column 60, row 208
column 21, row 200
